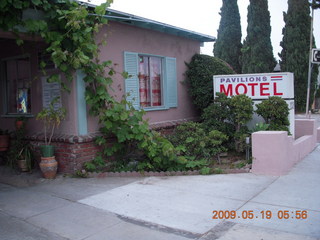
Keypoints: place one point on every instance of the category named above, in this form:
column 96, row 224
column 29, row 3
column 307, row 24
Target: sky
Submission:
column 203, row 16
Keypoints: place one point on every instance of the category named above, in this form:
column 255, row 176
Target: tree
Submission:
column 295, row 48
column 257, row 52
column 199, row 77
column 228, row 44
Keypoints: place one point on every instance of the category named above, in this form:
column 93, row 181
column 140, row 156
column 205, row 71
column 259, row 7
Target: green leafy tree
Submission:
column 295, row 49
column 228, row 44
column 257, row 52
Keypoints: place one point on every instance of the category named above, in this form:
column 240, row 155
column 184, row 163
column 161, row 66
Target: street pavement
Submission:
column 177, row 208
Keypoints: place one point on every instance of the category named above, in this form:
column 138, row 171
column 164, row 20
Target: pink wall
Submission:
column 121, row 38
column 274, row 152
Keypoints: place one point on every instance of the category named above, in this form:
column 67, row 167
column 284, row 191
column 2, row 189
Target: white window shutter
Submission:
column 132, row 83
column 171, row 83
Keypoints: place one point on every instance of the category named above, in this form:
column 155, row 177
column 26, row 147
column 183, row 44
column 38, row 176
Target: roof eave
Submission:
column 146, row 23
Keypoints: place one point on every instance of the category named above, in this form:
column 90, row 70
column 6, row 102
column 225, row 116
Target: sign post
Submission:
column 315, row 56
column 259, row 87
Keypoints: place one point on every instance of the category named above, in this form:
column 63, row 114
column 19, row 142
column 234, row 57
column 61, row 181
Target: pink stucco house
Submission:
column 153, row 53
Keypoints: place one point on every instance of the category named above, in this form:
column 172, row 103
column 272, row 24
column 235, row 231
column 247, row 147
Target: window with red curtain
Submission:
column 150, row 81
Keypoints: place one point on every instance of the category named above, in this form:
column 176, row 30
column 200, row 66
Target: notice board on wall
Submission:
column 50, row 91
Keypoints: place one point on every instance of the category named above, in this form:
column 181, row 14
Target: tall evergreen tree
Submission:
column 257, row 52
column 295, row 48
column 228, row 44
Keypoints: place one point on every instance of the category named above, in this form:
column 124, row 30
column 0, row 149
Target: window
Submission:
column 153, row 82
column 150, row 81
column 17, row 82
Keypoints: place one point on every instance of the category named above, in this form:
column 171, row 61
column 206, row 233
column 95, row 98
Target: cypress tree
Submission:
column 295, row 48
column 257, row 52
column 228, row 44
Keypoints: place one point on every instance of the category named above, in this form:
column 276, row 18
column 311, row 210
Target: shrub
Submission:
column 200, row 74
column 229, row 115
column 217, row 115
column 241, row 107
column 275, row 112
column 197, row 143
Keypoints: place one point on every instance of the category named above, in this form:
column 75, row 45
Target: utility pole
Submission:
column 310, row 64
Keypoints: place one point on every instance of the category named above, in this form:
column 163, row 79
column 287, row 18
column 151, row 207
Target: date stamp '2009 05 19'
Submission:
column 265, row 214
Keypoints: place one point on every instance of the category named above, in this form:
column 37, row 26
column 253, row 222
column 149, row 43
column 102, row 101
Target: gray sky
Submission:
column 203, row 16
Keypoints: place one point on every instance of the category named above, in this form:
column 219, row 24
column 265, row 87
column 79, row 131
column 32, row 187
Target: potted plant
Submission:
column 24, row 158
column 20, row 154
column 4, row 140
column 51, row 118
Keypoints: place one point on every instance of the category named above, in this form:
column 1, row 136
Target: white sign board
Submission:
column 256, row 86
column 49, row 92
column 315, row 56
column 259, row 87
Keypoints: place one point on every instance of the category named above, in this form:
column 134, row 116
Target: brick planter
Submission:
column 71, row 152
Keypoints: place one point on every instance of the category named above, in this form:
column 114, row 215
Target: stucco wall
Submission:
column 121, row 38
column 274, row 152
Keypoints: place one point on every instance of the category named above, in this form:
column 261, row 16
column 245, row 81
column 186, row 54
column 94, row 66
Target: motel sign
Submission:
column 258, row 87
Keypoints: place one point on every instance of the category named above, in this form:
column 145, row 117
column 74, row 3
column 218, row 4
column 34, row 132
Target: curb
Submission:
column 158, row 174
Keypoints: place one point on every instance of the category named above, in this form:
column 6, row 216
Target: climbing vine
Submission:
column 69, row 28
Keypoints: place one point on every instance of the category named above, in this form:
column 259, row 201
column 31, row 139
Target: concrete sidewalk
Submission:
column 176, row 208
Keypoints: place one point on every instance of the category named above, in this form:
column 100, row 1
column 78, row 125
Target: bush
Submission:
column 196, row 143
column 229, row 115
column 241, row 108
column 275, row 112
column 217, row 115
column 200, row 74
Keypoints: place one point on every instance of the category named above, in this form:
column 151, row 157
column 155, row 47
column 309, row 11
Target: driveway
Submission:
column 177, row 208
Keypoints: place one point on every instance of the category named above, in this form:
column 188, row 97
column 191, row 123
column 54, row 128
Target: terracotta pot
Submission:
column 49, row 167
column 4, row 142
column 23, row 166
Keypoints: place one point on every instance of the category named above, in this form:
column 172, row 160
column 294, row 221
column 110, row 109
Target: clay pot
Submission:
column 22, row 165
column 49, row 167
column 4, row 142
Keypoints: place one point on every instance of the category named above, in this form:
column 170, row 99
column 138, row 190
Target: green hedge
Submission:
column 200, row 74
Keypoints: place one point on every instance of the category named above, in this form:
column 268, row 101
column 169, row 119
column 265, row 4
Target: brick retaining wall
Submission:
column 71, row 152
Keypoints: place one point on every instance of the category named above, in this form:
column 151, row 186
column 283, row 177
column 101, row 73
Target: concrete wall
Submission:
column 274, row 152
